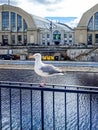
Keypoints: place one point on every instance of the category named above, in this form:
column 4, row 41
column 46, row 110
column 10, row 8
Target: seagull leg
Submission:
column 42, row 84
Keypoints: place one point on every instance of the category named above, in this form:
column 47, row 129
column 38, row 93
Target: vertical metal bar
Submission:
column 0, row 112
column 20, row 110
column 8, row 2
column 10, row 98
column 65, row 112
column 77, row 111
column 53, row 110
column 42, row 109
column 90, row 111
column 31, row 111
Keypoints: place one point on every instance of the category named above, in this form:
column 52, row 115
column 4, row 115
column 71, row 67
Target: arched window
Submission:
column 5, row 20
column 19, row 23
column 24, row 25
column 96, row 21
column 93, row 22
column 90, row 24
column 13, row 21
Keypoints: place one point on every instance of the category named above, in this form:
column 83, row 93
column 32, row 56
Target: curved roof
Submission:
column 64, row 27
column 87, row 15
column 41, row 22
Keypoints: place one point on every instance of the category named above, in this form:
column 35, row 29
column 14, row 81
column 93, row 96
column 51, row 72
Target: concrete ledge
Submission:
column 66, row 66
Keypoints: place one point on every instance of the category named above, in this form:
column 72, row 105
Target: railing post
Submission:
column 65, row 112
column 53, row 110
column 10, row 109
column 42, row 109
column 90, row 112
column 31, row 112
column 20, row 110
column 0, row 112
column 77, row 111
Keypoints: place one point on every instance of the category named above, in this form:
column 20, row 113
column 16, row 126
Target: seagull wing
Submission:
column 49, row 69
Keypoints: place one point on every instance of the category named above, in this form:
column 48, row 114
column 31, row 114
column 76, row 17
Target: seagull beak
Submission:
column 31, row 57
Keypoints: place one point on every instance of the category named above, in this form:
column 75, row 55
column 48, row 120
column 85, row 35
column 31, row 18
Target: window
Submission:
column 5, row 21
column 93, row 22
column 89, row 39
column 90, row 24
column 48, row 43
column 43, row 42
column 13, row 39
column 13, row 22
column 48, row 35
column 24, row 25
column 65, row 42
column 19, row 39
column 96, row 38
column 25, row 39
column 70, row 35
column 70, row 41
column 19, row 23
column 96, row 21
column 43, row 35
column 65, row 35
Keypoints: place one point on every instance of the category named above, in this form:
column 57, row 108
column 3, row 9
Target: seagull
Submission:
column 45, row 70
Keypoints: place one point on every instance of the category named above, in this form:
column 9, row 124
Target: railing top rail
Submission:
column 51, row 89
column 28, row 86
column 37, row 84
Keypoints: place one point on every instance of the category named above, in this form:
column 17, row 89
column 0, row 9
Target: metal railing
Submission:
column 26, row 106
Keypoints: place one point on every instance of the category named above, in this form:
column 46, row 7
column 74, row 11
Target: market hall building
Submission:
column 21, row 28
column 87, row 29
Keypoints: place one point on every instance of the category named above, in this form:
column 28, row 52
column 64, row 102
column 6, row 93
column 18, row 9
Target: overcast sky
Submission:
column 60, row 8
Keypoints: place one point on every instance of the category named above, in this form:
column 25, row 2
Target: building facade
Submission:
column 87, row 29
column 58, row 34
column 21, row 28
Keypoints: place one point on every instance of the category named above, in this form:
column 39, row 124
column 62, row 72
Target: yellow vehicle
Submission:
column 47, row 57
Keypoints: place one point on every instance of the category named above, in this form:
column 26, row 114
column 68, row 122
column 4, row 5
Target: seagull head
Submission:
column 37, row 56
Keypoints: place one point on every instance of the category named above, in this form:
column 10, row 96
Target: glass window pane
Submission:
column 19, row 23
column 89, row 39
column 24, row 25
column 90, row 24
column 48, row 35
column 13, row 39
column 5, row 21
column 13, row 21
column 96, row 21
column 65, row 35
column 19, row 39
column 70, row 35
column 96, row 38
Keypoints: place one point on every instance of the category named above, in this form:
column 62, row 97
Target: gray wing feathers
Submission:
column 50, row 69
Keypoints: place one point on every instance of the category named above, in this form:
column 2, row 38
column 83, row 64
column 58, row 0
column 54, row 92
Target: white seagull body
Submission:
column 45, row 69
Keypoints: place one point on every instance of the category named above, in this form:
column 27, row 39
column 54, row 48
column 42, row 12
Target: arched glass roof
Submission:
column 43, row 23
column 64, row 27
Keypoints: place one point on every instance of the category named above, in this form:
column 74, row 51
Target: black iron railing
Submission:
column 26, row 106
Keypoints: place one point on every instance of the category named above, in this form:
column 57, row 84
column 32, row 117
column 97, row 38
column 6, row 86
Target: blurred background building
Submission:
column 21, row 28
column 87, row 29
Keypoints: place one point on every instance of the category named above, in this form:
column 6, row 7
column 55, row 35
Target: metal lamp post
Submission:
column 50, row 32
column 8, row 2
